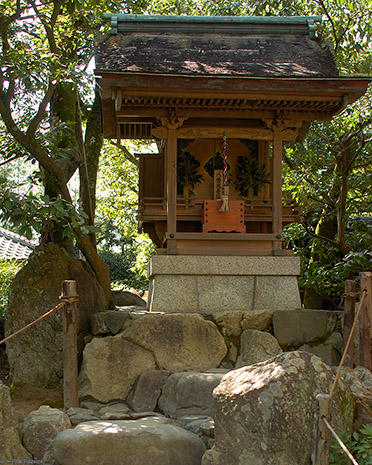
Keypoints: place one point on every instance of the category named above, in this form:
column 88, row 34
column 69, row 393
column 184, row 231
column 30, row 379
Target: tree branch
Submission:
column 49, row 26
column 41, row 113
column 342, row 248
column 333, row 26
column 8, row 160
column 126, row 153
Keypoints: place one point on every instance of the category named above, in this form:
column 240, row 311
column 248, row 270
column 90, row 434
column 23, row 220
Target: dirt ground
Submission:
column 25, row 400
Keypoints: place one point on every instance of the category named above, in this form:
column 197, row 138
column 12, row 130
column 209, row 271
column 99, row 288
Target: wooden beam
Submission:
column 232, row 133
column 306, row 115
column 118, row 100
column 277, row 186
column 224, row 236
column 171, row 184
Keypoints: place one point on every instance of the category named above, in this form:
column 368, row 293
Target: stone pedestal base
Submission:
column 210, row 284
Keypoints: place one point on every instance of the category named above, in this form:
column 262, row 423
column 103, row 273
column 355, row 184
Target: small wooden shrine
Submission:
column 220, row 95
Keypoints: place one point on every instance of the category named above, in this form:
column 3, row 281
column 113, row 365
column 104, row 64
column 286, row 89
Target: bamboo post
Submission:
column 365, row 327
column 70, row 362
column 349, row 314
column 323, row 435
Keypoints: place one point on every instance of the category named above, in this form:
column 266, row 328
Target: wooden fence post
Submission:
column 323, row 435
column 365, row 331
column 70, row 362
column 349, row 314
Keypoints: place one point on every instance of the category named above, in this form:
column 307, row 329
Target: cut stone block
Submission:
column 212, row 284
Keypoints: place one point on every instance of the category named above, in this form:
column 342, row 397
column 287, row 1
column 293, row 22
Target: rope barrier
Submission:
column 342, row 445
column 65, row 300
column 337, row 377
column 351, row 335
column 351, row 294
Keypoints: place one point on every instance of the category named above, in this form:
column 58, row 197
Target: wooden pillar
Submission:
column 349, row 314
column 171, row 173
column 365, row 326
column 323, row 435
column 70, row 362
column 277, row 188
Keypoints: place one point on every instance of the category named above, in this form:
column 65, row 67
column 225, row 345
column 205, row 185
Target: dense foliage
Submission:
column 359, row 445
column 8, row 270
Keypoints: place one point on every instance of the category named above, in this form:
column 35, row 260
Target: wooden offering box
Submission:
column 215, row 221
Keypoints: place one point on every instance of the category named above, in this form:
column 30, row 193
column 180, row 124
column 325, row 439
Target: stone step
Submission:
column 147, row 441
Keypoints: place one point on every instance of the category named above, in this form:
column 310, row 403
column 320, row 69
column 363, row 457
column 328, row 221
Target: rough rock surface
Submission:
column 10, row 438
column 293, row 328
column 146, row 392
column 78, row 415
column 149, row 441
column 189, row 393
column 230, row 322
column 125, row 298
column 204, row 428
column 258, row 319
column 111, row 366
column 40, row 429
column 178, row 341
column 359, row 381
column 35, row 356
column 109, row 322
column 265, row 412
column 256, row 346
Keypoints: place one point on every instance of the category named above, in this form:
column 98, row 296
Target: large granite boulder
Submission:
column 126, row 298
column 293, row 328
column 171, row 342
column 359, row 381
column 40, row 428
column 148, row 441
column 189, row 393
column 10, row 435
column 265, row 412
column 178, row 341
column 111, row 366
column 35, row 356
column 256, row 346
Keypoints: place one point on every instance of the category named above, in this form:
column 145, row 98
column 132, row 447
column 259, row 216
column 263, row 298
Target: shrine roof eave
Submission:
column 349, row 88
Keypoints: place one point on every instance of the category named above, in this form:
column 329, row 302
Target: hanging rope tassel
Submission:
column 225, row 189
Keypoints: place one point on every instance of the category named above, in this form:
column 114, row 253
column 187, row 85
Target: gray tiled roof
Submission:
column 13, row 246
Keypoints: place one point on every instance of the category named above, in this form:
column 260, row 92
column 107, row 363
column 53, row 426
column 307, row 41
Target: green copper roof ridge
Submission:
column 225, row 24
column 213, row 19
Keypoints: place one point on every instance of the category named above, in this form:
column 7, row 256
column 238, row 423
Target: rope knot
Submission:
column 69, row 299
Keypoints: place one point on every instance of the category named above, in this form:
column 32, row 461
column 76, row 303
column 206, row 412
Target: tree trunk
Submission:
column 326, row 228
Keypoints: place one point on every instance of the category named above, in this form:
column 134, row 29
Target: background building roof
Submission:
column 13, row 246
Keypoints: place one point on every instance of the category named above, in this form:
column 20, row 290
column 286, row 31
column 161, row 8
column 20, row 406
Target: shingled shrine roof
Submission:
column 216, row 67
column 13, row 246
column 215, row 46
